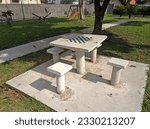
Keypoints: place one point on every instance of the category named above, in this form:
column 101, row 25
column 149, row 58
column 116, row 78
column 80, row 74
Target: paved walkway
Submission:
column 105, row 26
column 15, row 52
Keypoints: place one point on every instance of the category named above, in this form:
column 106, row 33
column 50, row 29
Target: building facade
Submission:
column 20, row 1
column 115, row 2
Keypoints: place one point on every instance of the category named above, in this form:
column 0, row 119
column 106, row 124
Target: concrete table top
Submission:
column 83, row 42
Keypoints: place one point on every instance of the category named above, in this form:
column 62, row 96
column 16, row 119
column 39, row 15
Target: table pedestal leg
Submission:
column 115, row 77
column 56, row 58
column 60, row 84
column 94, row 55
column 80, row 62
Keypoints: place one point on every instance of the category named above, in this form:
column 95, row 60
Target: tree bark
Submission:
column 82, row 8
column 99, row 15
column 129, row 16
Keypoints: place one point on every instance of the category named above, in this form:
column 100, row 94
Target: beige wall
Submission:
column 31, row 1
column 23, row 1
column 115, row 2
column 5, row 1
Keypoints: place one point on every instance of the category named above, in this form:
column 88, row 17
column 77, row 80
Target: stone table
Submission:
column 80, row 43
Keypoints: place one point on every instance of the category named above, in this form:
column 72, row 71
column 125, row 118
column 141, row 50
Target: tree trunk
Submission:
column 143, row 15
column 99, row 15
column 98, row 18
column 92, row 1
column 82, row 8
column 129, row 16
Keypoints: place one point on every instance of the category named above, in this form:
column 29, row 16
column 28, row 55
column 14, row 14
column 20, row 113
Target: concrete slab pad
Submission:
column 89, row 92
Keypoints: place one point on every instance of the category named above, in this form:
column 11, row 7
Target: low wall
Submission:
column 57, row 10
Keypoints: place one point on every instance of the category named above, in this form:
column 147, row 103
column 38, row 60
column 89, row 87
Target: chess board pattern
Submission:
column 80, row 39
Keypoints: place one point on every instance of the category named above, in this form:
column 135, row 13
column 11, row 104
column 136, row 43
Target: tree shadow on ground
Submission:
column 108, row 21
column 114, row 45
column 141, row 46
column 57, row 19
column 119, row 18
column 136, row 23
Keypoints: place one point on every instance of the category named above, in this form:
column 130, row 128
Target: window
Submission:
column 15, row 1
column 45, row 1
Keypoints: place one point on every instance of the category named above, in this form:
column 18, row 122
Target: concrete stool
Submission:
column 94, row 54
column 55, row 51
column 59, row 69
column 118, row 65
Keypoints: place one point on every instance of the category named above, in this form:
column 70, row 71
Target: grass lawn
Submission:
column 26, row 31
column 129, row 41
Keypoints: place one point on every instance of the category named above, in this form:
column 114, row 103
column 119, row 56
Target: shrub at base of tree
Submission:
column 143, row 10
column 131, row 10
column 120, row 10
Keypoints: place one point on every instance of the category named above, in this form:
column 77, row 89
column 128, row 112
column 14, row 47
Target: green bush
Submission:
column 144, row 10
column 131, row 10
column 120, row 10
column 67, row 1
